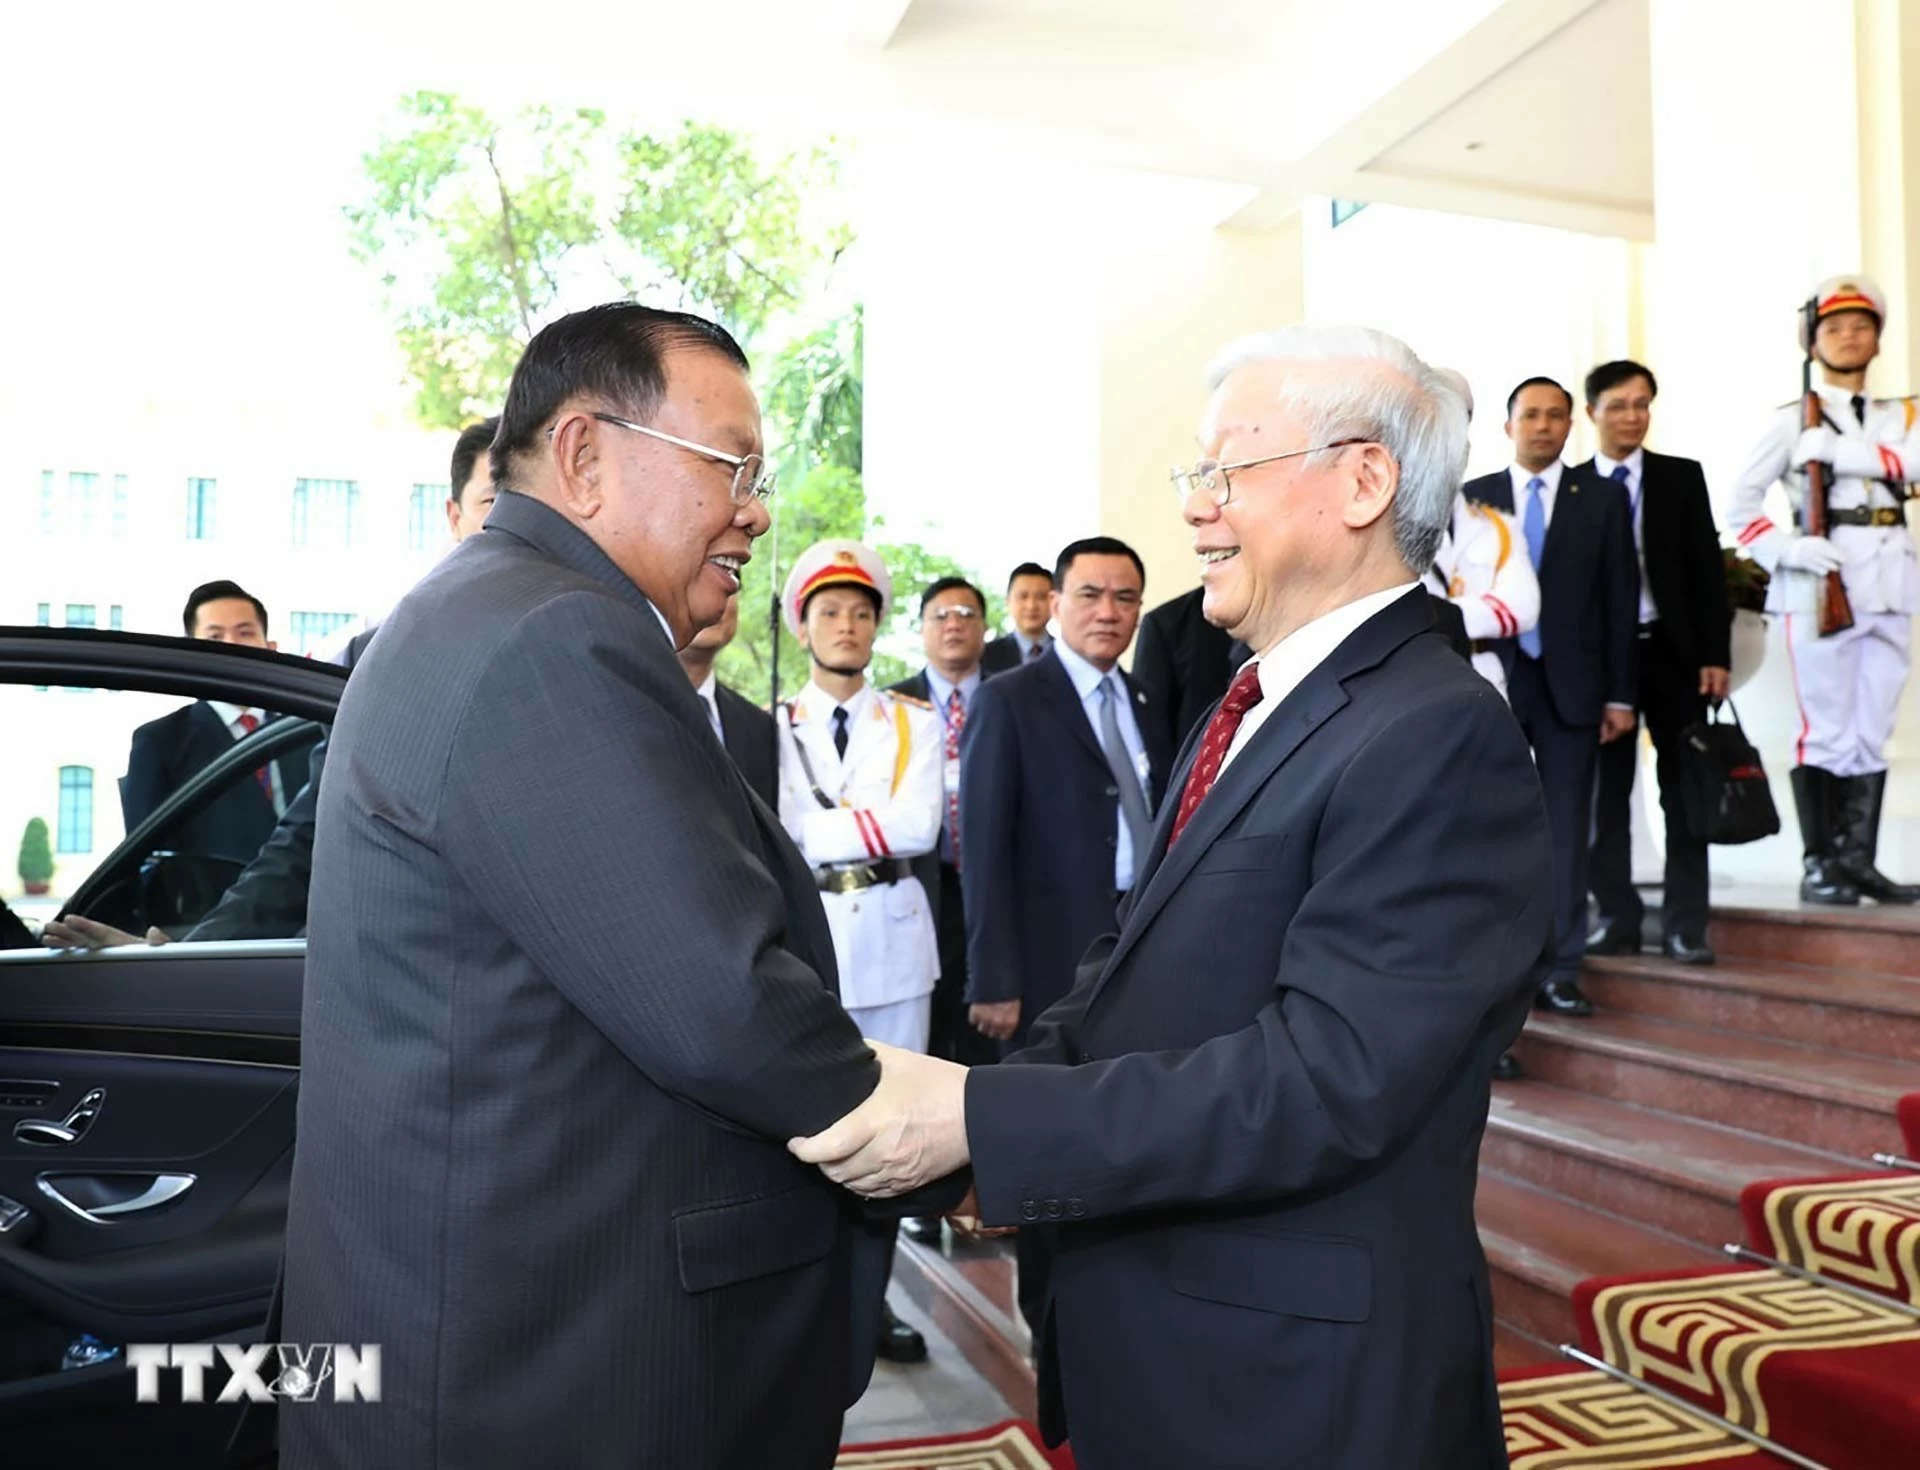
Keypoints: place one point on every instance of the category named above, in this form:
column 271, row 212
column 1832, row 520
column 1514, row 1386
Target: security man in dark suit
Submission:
column 1063, row 765
column 168, row 752
column 1184, row 663
column 1029, row 589
column 1684, row 625
column 1571, row 679
column 743, row 727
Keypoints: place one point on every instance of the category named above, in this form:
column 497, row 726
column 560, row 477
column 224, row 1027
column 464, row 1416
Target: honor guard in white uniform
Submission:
column 861, row 793
column 1482, row 568
column 1847, row 684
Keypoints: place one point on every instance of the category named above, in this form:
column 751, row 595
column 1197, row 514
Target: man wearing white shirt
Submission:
column 1250, row 1132
column 1683, row 657
column 1570, row 678
column 168, row 752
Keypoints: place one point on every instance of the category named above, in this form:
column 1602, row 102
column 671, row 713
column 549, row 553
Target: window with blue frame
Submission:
column 423, row 515
column 326, row 513
column 75, row 827
column 200, row 493
column 49, row 503
column 83, row 503
column 82, row 615
column 116, row 618
column 120, row 507
column 308, row 628
column 1346, row 209
column 43, row 614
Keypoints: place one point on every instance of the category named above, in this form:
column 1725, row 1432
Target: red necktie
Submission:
column 1242, row 695
column 956, row 722
column 248, row 723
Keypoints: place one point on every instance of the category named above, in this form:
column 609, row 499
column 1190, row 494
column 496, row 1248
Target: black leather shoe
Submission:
column 1507, row 1069
column 1683, row 951
column 899, row 1343
column 923, row 1228
column 1614, row 939
column 1564, row 997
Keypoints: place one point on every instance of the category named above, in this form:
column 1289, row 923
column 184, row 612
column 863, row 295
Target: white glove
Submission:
column 1815, row 446
column 1813, row 554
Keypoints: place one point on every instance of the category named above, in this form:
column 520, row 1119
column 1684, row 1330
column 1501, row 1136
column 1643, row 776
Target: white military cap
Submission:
column 832, row 564
column 1845, row 293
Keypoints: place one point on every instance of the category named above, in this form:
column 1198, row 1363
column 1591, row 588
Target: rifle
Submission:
column 1835, row 612
column 773, row 646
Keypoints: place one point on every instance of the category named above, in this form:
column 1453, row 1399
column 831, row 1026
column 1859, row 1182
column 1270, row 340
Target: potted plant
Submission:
column 36, row 857
column 1747, row 603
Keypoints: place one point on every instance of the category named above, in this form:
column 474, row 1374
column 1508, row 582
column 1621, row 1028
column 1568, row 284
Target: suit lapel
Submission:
column 1316, row 699
column 1059, row 683
column 1568, row 506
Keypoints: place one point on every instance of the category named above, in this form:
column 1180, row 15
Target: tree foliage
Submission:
column 36, row 853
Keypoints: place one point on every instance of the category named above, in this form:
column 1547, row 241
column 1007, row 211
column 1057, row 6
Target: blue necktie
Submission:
column 1619, row 477
column 1534, row 527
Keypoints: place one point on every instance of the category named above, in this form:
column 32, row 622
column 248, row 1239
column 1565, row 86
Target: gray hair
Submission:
column 1410, row 409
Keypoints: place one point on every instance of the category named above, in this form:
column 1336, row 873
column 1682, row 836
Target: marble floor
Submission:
column 943, row 1395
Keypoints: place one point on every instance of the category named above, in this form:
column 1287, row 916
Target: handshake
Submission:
column 911, row 1130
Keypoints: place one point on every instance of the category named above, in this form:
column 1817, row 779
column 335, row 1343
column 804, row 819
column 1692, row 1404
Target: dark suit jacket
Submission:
column 1681, row 549
column 167, row 752
column 543, row 1161
column 1589, row 593
column 747, row 732
column 1258, row 1114
column 1184, row 663
column 1038, row 814
column 1001, row 654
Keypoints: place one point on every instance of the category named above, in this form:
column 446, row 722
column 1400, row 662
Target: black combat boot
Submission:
column 1817, row 798
column 1864, row 796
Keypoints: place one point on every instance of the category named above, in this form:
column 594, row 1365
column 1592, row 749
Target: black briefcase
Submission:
column 1723, row 789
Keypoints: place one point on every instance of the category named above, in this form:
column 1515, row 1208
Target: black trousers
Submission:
column 1670, row 700
column 949, row 1034
column 1563, row 755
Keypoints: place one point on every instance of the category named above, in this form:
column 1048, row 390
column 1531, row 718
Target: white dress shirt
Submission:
column 1636, row 464
column 230, row 717
column 1285, row 666
column 1086, row 683
column 705, row 689
column 1550, row 480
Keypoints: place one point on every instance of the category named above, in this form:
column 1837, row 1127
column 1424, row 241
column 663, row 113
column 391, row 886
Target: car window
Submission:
column 84, row 770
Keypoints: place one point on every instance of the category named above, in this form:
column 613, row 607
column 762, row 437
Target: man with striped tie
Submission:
column 1570, row 679
column 1683, row 662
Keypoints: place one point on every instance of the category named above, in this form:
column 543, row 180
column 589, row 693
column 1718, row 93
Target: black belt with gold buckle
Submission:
column 1867, row 515
column 857, row 876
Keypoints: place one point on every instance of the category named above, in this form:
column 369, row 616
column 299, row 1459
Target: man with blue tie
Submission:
column 1683, row 663
column 1570, row 679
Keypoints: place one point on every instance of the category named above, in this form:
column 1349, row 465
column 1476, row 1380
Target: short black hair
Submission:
column 1610, row 375
column 212, row 592
column 949, row 584
column 1095, row 546
column 1027, row 569
column 1526, row 383
column 616, row 351
column 467, row 450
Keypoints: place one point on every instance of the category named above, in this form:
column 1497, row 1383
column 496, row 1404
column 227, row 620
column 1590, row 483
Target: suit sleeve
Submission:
column 269, row 899
column 1427, row 924
column 1707, row 574
column 1753, row 529
column 1620, row 591
column 904, row 826
column 990, row 779
column 146, row 785
column 608, row 846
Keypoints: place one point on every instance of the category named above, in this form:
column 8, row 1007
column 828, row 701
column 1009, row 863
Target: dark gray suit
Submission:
column 568, row 991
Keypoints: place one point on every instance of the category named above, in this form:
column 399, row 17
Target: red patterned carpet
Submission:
column 1014, row 1445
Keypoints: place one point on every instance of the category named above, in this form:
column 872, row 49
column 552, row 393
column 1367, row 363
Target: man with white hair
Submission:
column 1250, row 1131
column 1482, row 568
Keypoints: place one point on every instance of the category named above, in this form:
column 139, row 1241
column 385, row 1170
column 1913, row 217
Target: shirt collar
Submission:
column 230, row 713
column 705, row 687
column 1635, row 463
column 1086, row 678
column 1521, row 475
column 1027, row 645
column 1285, row 666
column 820, row 705
column 942, row 690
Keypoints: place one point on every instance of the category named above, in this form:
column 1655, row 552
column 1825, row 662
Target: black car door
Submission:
column 146, row 1091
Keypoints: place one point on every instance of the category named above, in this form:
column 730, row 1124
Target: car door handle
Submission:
column 160, row 1189
column 40, row 1132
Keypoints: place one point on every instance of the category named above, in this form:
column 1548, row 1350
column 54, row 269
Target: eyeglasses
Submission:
column 1210, row 476
column 961, row 611
column 751, row 477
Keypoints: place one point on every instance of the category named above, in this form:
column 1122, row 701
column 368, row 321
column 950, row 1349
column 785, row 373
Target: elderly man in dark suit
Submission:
column 1252, row 1128
column 168, row 752
column 568, row 984
column 1684, row 634
column 1571, row 679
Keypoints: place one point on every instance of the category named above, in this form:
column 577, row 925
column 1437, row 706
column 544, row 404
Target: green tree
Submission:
column 482, row 230
column 36, row 855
